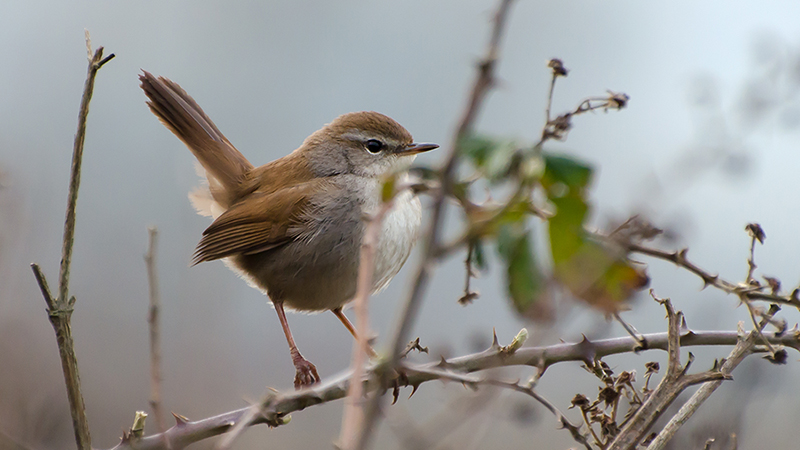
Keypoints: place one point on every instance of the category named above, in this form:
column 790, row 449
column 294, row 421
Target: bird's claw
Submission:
column 306, row 374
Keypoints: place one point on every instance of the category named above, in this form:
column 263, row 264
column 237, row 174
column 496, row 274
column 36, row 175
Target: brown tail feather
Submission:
column 224, row 164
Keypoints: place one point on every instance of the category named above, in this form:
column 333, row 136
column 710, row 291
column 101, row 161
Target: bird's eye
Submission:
column 374, row 146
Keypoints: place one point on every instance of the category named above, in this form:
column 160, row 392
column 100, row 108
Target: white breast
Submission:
column 399, row 229
column 399, row 232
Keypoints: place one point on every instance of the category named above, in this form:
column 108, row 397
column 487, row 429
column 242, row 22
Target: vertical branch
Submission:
column 756, row 234
column 482, row 84
column 60, row 309
column 95, row 62
column 353, row 417
column 155, row 335
column 410, row 308
column 675, row 381
column 743, row 348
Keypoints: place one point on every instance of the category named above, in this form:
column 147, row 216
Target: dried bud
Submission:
column 617, row 100
column 605, row 368
column 558, row 67
column 609, row 427
column 779, row 357
column 774, row 284
column 468, row 298
column 557, row 128
column 608, row 395
column 755, row 231
column 580, row 401
column 649, row 438
column 652, row 367
column 626, row 377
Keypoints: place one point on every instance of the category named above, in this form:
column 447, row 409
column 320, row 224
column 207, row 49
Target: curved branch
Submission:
column 744, row 292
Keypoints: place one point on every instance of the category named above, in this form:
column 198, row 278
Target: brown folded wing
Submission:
column 259, row 222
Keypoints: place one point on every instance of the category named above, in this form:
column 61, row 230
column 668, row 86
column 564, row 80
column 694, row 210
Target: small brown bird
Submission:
column 293, row 227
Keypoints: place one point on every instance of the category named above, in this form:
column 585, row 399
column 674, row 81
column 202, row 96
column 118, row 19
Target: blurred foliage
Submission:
column 587, row 267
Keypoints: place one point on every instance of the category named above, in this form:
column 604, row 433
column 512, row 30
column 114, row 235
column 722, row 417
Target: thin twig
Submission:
column 469, row 294
column 410, row 308
column 574, row 430
column 679, row 259
column 751, row 261
column 95, row 62
column 757, row 327
column 155, row 340
column 743, row 348
column 756, row 234
column 527, row 389
column 353, row 416
column 60, row 309
column 241, row 419
column 550, row 98
column 43, row 287
column 631, row 330
column 276, row 407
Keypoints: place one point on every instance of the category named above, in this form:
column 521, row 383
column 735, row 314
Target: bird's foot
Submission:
column 306, row 374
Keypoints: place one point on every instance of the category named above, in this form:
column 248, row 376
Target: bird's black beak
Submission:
column 413, row 149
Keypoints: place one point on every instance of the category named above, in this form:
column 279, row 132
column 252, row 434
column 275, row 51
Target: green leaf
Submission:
column 566, row 227
column 572, row 174
column 524, row 280
column 492, row 156
column 565, row 181
column 590, row 270
column 477, row 255
column 477, row 148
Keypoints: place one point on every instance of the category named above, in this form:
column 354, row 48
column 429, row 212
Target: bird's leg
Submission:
column 347, row 324
column 306, row 374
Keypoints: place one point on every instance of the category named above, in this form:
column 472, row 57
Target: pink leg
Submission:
column 306, row 374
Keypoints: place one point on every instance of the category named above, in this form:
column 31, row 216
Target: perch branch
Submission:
column 275, row 409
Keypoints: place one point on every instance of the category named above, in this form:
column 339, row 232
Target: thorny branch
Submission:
column 275, row 409
column 743, row 348
column 60, row 309
column 676, row 380
column 745, row 292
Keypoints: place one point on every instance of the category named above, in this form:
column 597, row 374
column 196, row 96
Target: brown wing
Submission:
column 259, row 222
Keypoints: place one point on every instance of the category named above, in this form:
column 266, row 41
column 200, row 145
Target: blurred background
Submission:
column 708, row 143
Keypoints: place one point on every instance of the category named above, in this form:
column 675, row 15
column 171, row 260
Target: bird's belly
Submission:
column 321, row 273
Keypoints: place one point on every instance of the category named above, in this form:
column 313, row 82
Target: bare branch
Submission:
column 430, row 243
column 155, row 339
column 675, row 381
column 60, row 309
column 275, row 409
column 353, row 416
column 743, row 348
column 747, row 292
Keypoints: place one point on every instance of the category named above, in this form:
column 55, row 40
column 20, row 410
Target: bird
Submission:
column 293, row 227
